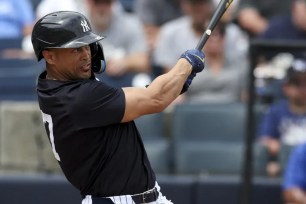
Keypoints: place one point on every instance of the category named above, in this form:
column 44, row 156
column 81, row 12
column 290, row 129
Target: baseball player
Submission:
column 90, row 124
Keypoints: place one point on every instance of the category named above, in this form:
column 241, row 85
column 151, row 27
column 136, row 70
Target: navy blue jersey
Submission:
column 98, row 154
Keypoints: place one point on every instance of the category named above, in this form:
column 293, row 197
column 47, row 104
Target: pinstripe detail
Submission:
column 124, row 199
column 87, row 200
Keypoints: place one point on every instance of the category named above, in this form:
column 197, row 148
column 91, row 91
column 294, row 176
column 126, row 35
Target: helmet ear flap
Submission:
column 98, row 61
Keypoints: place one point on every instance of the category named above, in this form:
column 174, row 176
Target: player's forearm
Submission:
column 167, row 87
column 295, row 196
column 273, row 145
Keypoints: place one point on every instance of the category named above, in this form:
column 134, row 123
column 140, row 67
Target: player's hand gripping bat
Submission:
column 221, row 8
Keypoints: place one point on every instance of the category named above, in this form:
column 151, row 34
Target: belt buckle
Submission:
column 144, row 197
column 153, row 191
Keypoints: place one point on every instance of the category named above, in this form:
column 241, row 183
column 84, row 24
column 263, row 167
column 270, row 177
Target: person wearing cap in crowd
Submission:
column 284, row 123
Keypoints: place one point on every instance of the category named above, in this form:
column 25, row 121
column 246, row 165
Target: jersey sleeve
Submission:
column 97, row 104
column 295, row 173
column 25, row 10
column 269, row 124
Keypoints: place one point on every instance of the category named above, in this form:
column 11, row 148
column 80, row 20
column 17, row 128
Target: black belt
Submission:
column 146, row 197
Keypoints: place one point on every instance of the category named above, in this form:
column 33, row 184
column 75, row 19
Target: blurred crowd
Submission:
column 144, row 38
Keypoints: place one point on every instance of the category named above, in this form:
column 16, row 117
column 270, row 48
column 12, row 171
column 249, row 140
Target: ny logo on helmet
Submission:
column 85, row 26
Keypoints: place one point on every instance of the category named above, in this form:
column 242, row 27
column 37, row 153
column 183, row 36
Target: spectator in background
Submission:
column 288, row 27
column 285, row 121
column 128, row 64
column 294, row 182
column 186, row 31
column 253, row 15
column 182, row 33
column 155, row 13
column 16, row 22
column 48, row 6
column 43, row 8
column 224, row 80
column 16, row 18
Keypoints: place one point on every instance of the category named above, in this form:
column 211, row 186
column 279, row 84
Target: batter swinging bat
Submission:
column 221, row 8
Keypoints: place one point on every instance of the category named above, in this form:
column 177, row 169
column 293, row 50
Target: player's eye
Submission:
column 76, row 50
column 80, row 49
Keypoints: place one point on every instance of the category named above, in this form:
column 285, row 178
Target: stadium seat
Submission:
column 37, row 189
column 207, row 158
column 260, row 159
column 220, row 158
column 151, row 127
column 18, row 82
column 284, row 155
column 10, row 43
column 209, row 139
column 159, row 154
column 209, row 122
column 12, row 63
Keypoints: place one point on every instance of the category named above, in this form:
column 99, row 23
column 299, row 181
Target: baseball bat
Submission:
column 221, row 8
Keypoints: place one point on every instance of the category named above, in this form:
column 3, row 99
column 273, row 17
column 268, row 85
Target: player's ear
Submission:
column 48, row 55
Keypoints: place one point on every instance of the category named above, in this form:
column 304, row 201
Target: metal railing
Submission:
column 257, row 47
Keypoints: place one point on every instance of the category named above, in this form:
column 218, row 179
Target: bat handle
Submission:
column 203, row 40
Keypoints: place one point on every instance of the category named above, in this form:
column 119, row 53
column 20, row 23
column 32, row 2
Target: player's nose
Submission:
column 86, row 54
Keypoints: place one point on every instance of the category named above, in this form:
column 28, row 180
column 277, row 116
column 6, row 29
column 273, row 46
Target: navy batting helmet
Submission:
column 67, row 29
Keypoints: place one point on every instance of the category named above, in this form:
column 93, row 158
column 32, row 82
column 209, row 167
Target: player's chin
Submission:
column 86, row 74
column 85, row 71
column 82, row 74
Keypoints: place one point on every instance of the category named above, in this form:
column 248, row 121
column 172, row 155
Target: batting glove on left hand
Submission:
column 196, row 58
column 188, row 82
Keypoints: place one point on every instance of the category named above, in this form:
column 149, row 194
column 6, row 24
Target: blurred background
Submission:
column 227, row 140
